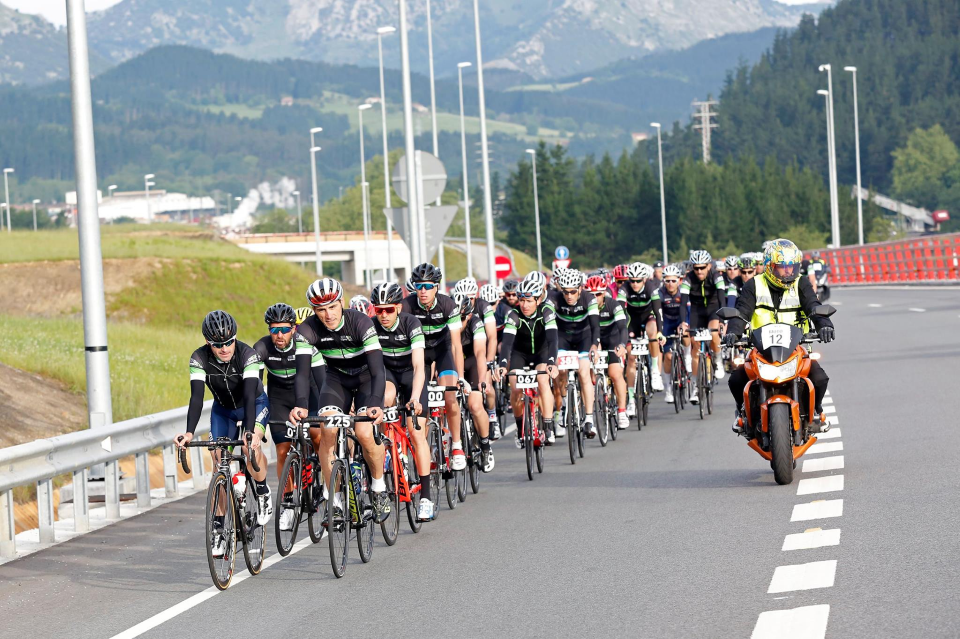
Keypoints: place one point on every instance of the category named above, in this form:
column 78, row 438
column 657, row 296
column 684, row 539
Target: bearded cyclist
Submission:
column 780, row 295
column 674, row 306
column 613, row 338
column 473, row 338
column 705, row 290
column 641, row 300
column 484, row 311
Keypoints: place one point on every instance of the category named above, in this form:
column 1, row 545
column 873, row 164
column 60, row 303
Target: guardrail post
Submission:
column 170, row 471
column 45, row 511
column 81, row 507
column 8, row 529
column 197, row 468
column 111, row 495
column 143, row 480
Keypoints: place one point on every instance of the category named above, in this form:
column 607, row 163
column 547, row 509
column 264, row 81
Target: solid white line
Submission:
column 917, row 310
column 808, row 622
column 829, row 447
column 823, row 463
column 875, row 305
column 816, row 574
column 833, row 433
column 829, row 484
column 814, row 538
column 820, row 509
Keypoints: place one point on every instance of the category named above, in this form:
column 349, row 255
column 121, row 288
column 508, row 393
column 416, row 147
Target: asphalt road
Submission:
column 675, row 531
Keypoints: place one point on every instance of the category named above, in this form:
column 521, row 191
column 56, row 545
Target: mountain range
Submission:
column 548, row 39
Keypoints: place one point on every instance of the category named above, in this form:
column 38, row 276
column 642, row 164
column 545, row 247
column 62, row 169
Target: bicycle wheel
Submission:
column 220, row 500
column 710, row 378
column 466, row 437
column 451, row 480
column 572, row 413
column 613, row 408
column 252, row 534
column 338, row 517
column 477, row 459
column 643, row 386
column 291, row 477
column 538, row 451
column 528, row 436
column 365, row 526
column 317, row 509
column 600, row 412
column 701, row 384
column 412, row 507
column 390, row 527
column 582, row 418
column 436, row 462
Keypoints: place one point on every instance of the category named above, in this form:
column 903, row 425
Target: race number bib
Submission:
column 391, row 415
column 703, row 335
column 568, row 360
column 640, row 346
column 526, row 380
column 435, row 397
column 775, row 335
column 338, row 421
column 600, row 363
column 292, row 431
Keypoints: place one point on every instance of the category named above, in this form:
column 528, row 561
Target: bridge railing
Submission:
column 38, row 462
column 927, row 259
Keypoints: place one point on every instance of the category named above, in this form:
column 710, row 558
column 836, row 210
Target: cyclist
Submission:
column 658, row 272
column 780, row 295
column 362, row 304
column 730, row 277
column 231, row 370
column 613, row 339
column 508, row 302
column 530, row 339
column 278, row 356
column 813, row 266
column 578, row 329
column 355, row 380
column 641, row 300
column 704, row 288
column 674, row 307
column 491, row 294
column 619, row 279
column 473, row 338
column 440, row 319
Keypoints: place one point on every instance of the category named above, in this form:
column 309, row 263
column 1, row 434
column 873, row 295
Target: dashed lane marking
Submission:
column 816, row 574
column 828, row 447
column 875, row 305
column 823, row 463
column 829, row 484
column 813, row 538
column 833, row 433
column 819, row 509
column 808, row 622
column 917, row 310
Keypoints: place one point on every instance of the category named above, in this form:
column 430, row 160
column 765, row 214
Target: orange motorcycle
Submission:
column 778, row 400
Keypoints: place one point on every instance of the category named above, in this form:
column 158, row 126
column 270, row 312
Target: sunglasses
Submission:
column 509, row 294
column 747, row 271
column 280, row 329
column 424, row 286
column 672, row 280
column 571, row 291
column 700, row 268
column 636, row 281
column 525, row 296
column 385, row 310
column 225, row 344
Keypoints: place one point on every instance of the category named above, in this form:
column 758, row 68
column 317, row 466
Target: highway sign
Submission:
column 434, row 177
column 562, row 253
column 561, row 264
column 437, row 221
column 503, row 267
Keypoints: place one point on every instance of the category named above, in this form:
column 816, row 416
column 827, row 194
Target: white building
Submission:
column 162, row 205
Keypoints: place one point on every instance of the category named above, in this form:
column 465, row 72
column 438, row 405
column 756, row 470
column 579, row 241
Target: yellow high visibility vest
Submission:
column 789, row 312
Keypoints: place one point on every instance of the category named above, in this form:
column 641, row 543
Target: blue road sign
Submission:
column 561, row 253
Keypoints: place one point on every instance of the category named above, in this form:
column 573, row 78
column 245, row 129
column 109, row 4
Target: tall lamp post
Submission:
column 146, row 187
column 536, row 208
column 6, row 193
column 834, row 225
column 663, row 205
column 466, row 187
column 110, row 190
column 484, row 148
column 409, row 143
column 832, row 149
column 35, row 202
column 299, row 213
column 366, row 208
column 856, row 137
column 316, row 203
column 382, row 31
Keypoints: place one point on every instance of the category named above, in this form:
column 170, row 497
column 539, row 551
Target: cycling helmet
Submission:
column 569, row 278
column 781, row 262
column 639, row 271
column 303, row 313
column 427, row 272
column 467, row 285
column 280, row 313
column 732, row 261
column 464, row 302
column 747, row 260
column 603, row 271
column 325, row 291
column 672, row 270
column 535, row 276
column 218, row 327
column 489, row 293
column 596, row 284
column 531, row 286
column 815, row 255
column 362, row 304
column 658, row 264
column 700, row 257
column 510, row 286
column 386, row 293
column 620, row 272
column 409, row 286
column 720, row 265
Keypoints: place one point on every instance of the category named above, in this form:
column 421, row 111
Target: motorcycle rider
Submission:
column 779, row 295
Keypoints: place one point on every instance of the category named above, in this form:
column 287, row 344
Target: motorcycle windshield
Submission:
column 776, row 342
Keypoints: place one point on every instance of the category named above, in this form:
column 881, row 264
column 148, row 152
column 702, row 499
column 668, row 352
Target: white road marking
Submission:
column 816, row 574
column 917, row 310
column 823, row 463
column 833, row 433
column 808, row 622
column 829, row 408
column 829, row 484
column 828, row 447
column 838, row 303
column 827, row 400
column 820, row 509
column 833, row 420
column 875, row 305
column 814, row 538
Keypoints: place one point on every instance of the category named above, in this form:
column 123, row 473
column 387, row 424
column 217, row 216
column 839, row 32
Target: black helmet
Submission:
column 218, row 327
column 658, row 264
column 280, row 313
column 510, row 286
column 464, row 302
column 386, row 293
column 426, row 272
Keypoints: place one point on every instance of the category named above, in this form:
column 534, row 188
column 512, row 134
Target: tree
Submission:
column 921, row 168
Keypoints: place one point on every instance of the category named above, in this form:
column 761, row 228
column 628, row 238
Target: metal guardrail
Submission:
column 38, row 462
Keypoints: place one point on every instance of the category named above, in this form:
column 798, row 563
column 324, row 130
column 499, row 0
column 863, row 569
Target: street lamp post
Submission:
column 433, row 94
column 110, row 193
column 663, row 205
column 299, row 213
column 833, row 224
column 366, row 208
column 316, row 201
column 409, row 143
column 382, row 31
column 536, row 208
column 35, row 202
column 832, row 150
column 466, row 188
column 6, row 192
column 487, row 196
column 146, row 187
column 856, row 137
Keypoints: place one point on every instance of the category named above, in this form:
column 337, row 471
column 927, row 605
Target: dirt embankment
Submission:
column 34, row 407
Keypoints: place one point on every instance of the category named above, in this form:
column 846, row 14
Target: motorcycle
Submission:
column 779, row 398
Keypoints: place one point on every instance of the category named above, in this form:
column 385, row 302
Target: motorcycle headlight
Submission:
column 777, row 374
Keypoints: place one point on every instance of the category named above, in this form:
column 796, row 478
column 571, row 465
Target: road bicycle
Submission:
column 231, row 496
column 470, row 437
column 703, row 337
column 531, row 426
column 403, row 486
column 643, row 391
column 573, row 409
column 681, row 376
column 441, row 446
column 501, row 394
column 301, row 489
column 604, row 410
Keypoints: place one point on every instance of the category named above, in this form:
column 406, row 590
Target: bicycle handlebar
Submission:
column 222, row 443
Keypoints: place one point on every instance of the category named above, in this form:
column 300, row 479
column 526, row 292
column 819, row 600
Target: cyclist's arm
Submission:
column 552, row 336
column 251, row 390
column 509, row 335
column 593, row 318
column 731, row 294
column 809, row 301
column 301, row 383
column 480, row 352
column 657, row 311
column 416, row 359
column 196, row 404
column 685, row 301
column 490, row 330
column 318, row 369
column 620, row 318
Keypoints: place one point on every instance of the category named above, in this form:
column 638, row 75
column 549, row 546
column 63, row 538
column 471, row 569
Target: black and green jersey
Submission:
column 473, row 331
column 281, row 367
column 711, row 288
column 613, row 324
column 530, row 335
column 641, row 305
column 343, row 348
column 225, row 379
column 576, row 318
column 399, row 341
column 436, row 321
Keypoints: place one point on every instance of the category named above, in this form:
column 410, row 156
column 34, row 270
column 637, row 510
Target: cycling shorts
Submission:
column 579, row 342
column 346, row 392
column 223, row 421
column 613, row 359
column 700, row 316
column 442, row 357
column 403, row 382
column 519, row 359
column 637, row 319
column 471, row 373
column 670, row 328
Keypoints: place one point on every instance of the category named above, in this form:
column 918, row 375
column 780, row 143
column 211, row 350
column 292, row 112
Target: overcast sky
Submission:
column 55, row 10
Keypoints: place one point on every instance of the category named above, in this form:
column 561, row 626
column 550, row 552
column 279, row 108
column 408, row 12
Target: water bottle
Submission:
column 240, row 485
column 446, row 440
column 386, row 459
column 355, row 475
column 403, row 465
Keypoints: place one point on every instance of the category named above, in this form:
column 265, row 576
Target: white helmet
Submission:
column 490, row 293
column 531, row 286
column 536, row 276
column 569, row 278
column 700, row 257
column 639, row 271
column 467, row 285
column 325, row 291
column 672, row 270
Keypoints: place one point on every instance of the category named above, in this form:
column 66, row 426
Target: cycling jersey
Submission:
column 578, row 322
column 641, row 305
column 613, row 324
column 473, row 332
column 435, row 321
column 485, row 310
column 349, row 349
column 733, row 290
column 235, row 384
column 500, row 314
column 281, row 367
column 531, row 336
column 703, row 294
column 673, row 308
column 399, row 341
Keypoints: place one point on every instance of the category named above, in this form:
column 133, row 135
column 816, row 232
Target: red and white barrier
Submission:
column 932, row 258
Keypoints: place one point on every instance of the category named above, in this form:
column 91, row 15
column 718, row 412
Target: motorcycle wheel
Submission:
column 781, row 443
